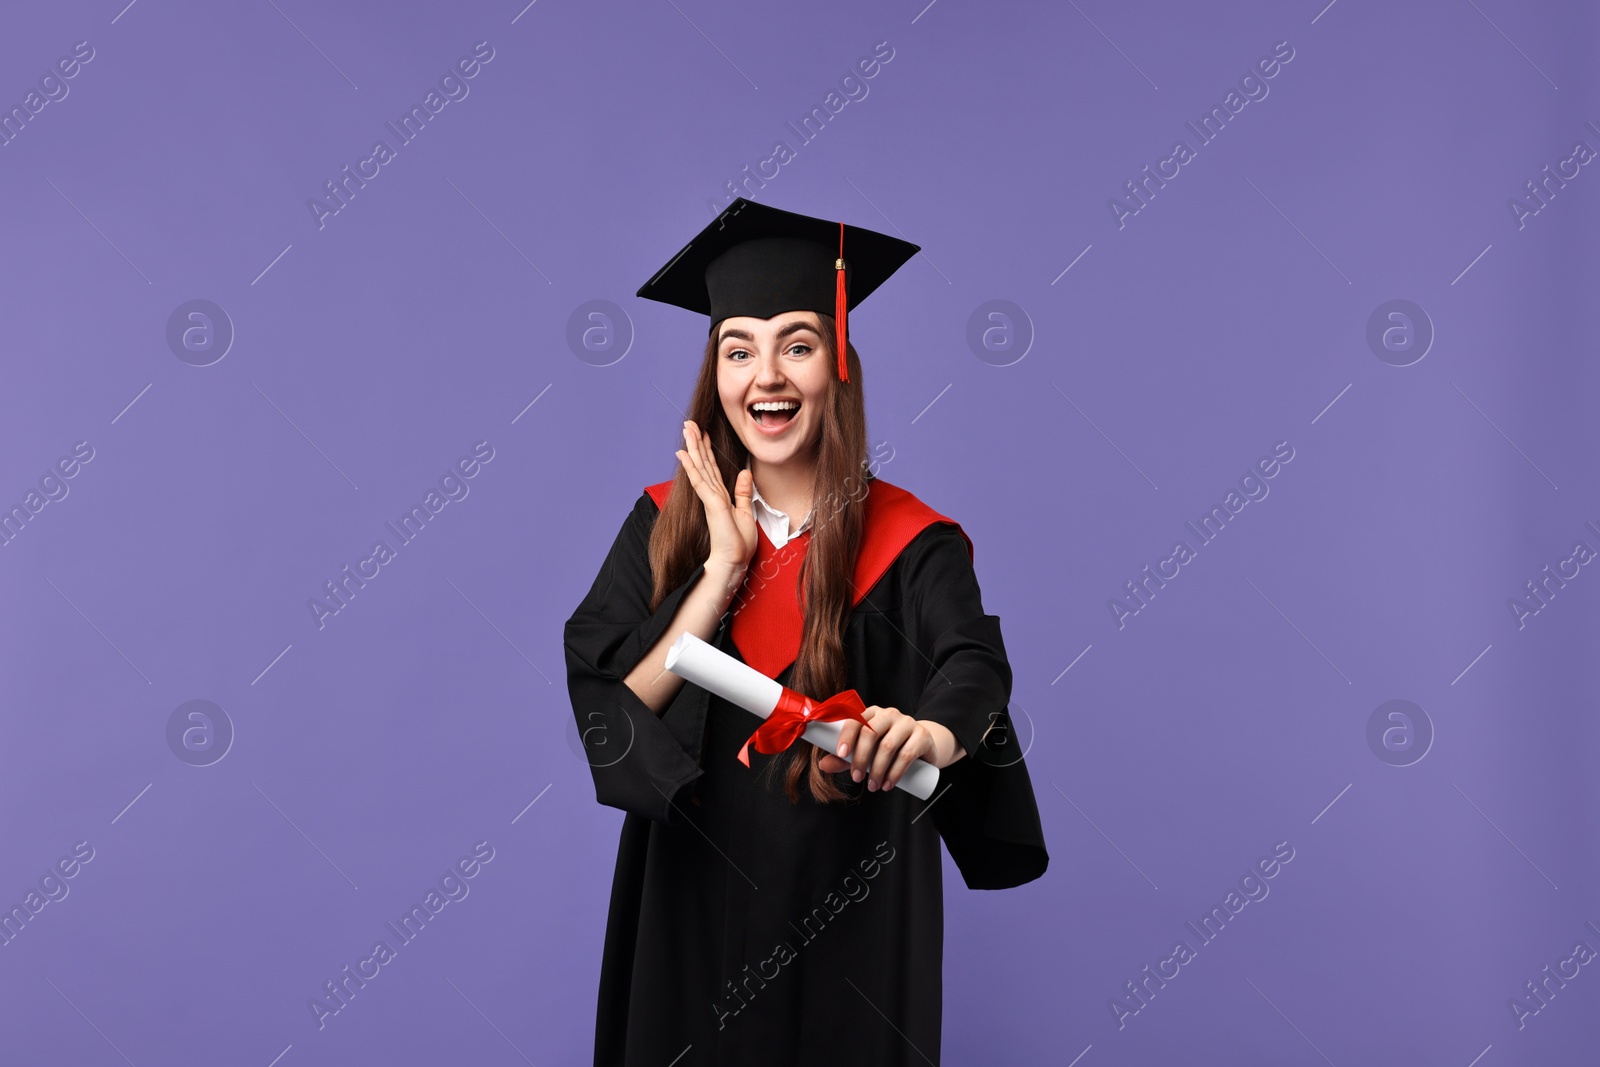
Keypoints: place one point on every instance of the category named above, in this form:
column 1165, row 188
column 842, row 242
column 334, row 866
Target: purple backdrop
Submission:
column 1340, row 345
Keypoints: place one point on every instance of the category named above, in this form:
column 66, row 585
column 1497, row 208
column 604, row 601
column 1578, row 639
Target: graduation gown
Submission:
column 744, row 929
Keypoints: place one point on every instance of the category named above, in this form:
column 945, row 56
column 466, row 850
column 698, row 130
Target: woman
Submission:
column 789, row 912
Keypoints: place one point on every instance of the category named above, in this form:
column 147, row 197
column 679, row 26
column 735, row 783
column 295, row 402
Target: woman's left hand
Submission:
column 884, row 751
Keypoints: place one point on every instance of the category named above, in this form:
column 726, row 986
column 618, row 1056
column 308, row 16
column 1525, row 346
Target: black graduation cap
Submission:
column 761, row 261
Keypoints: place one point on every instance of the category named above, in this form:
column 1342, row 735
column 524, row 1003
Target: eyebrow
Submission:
column 784, row 331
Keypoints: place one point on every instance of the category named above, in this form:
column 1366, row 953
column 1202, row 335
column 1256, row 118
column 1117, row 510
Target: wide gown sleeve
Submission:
column 641, row 762
column 989, row 818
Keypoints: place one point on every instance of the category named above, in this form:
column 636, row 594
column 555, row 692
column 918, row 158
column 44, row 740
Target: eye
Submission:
column 736, row 352
column 805, row 348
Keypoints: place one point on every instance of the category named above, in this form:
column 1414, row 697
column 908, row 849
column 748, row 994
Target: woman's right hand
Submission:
column 731, row 523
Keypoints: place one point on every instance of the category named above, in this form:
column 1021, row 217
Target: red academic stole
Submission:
column 767, row 624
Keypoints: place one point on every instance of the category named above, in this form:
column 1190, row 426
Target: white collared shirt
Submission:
column 773, row 521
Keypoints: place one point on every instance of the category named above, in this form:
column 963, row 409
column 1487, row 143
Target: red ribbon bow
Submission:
column 794, row 713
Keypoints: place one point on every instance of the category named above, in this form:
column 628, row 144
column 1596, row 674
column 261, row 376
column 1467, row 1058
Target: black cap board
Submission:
column 761, row 261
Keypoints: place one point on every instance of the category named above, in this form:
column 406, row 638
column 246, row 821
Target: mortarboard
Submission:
column 761, row 261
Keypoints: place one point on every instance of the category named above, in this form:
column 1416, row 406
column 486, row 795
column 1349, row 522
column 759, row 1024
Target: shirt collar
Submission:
column 774, row 513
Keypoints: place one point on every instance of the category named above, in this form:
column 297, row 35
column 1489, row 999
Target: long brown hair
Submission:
column 681, row 541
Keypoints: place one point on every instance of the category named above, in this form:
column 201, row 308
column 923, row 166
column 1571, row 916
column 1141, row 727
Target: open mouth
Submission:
column 773, row 415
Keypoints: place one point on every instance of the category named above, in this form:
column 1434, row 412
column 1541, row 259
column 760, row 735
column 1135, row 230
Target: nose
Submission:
column 769, row 372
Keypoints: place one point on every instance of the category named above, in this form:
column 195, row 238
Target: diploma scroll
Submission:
column 739, row 684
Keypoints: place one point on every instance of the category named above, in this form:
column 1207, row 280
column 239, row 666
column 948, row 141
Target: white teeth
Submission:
column 774, row 405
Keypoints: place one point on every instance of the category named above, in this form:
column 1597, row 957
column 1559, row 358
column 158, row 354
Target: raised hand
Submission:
column 731, row 523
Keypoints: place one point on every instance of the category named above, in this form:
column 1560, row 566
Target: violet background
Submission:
column 1229, row 314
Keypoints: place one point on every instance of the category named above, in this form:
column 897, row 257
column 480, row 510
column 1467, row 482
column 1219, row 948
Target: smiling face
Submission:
column 773, row 378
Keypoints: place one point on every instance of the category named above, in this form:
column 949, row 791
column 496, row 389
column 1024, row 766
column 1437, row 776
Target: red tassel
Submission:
column 840, row 334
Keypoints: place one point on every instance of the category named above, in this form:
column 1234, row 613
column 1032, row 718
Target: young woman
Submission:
column 789, row 912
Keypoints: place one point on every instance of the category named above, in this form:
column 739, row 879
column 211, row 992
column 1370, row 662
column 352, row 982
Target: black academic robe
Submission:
column 744, row 929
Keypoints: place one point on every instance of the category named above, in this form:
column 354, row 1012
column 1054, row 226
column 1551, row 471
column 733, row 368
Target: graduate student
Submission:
column 789, row 912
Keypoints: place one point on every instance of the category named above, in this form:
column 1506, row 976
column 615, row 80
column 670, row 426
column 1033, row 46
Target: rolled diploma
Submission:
column 740, row 684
